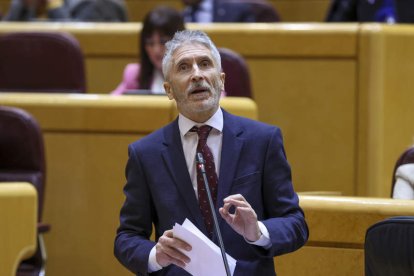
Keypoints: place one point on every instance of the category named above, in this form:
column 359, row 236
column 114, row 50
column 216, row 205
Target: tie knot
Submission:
column 202, row 131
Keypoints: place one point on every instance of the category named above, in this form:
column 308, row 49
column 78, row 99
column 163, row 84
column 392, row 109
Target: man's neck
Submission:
column 202, row 117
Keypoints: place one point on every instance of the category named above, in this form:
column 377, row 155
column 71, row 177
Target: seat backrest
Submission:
column 263, row 11
column 22, row 157
column 406, row 157
column 41, row 62
column 389, row 247
column 237, row 82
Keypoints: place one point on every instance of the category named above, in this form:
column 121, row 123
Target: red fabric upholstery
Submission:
column 262, row 9
column 237, row 82
column 41, row 62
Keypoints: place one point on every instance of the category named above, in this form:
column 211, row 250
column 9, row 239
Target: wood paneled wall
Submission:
column 341, row 93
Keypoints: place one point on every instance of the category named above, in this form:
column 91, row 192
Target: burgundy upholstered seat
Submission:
column 22, row 159
column 41, row 62
column 263, row 11
column 237, row 82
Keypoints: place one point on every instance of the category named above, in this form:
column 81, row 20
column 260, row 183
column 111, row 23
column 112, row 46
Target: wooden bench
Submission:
column 86, row 139
column 337, row 228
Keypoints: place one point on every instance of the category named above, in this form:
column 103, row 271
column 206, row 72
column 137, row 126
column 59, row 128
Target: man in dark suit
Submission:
column 258, row 211
column 206, row 11
column 390, row 11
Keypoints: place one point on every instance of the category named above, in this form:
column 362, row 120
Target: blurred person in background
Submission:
column 387, row 11
column 403, row 179
column 159, row 26
column 67, row 10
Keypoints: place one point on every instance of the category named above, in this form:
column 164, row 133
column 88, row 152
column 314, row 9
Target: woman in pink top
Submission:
column 159, row 26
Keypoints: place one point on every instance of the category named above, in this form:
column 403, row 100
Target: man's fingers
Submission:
column 175, row 256
column 166, row 257
column 168, row 250
column 168, row 239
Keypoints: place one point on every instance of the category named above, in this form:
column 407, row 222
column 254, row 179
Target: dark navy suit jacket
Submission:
column 159, row 191
column 369, row 10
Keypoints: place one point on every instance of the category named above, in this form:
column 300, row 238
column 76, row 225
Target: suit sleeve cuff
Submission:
column 264, row 240
column 152, row 262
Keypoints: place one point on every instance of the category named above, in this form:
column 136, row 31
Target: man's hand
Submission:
column 167, row 250
column 244, row 218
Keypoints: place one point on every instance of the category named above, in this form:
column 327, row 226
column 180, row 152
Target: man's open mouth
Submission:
column 199, row 90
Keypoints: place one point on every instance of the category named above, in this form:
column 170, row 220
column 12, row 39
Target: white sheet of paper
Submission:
column 206, row 259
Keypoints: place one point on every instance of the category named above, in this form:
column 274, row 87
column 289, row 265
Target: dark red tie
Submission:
column 210, row 168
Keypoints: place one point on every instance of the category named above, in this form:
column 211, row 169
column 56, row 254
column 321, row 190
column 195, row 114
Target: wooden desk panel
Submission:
column 337, row 227
column 18, row 231
column 301, row 75
column 86, row 143
column 386, row 100
column 340, row 92
column 321, row 261
column 313, row 101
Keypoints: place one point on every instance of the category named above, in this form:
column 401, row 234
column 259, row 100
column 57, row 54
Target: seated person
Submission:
column 67, row 10
column 159, row 26
column 206, row 11
column 404, row 176
column 389, row 11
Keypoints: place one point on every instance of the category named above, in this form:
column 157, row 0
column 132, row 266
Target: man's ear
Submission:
column 168, row 90
column 223, row 78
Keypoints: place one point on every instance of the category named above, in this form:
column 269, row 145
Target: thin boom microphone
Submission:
column 200, row 161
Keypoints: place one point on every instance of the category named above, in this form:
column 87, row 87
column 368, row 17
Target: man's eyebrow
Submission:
column 186, row 59
column 181, row 60
column 203, row 57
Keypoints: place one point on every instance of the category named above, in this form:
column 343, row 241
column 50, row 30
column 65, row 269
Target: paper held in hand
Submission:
column 206, row 259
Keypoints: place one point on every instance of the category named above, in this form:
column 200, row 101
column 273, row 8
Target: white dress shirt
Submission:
column 404, row 182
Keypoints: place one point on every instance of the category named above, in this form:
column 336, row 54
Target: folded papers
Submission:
column 206, row 258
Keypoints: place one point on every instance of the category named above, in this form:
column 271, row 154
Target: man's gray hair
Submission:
column 188, row 37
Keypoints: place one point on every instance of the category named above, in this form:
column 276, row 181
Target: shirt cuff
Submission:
column 152, row 262
column 264, row 240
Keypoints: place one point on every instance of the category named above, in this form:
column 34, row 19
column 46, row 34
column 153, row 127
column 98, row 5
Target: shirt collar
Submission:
column 215, row 121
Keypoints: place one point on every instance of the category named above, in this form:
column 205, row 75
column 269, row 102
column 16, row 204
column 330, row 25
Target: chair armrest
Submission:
column 43, row 227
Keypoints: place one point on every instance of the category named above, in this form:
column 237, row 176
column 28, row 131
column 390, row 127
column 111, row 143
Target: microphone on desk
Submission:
column 200, row 163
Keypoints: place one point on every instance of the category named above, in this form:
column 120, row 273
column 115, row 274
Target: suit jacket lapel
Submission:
column 174, row 159
column 231, row 148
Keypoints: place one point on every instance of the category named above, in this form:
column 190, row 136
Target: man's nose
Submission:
column 197, row 75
